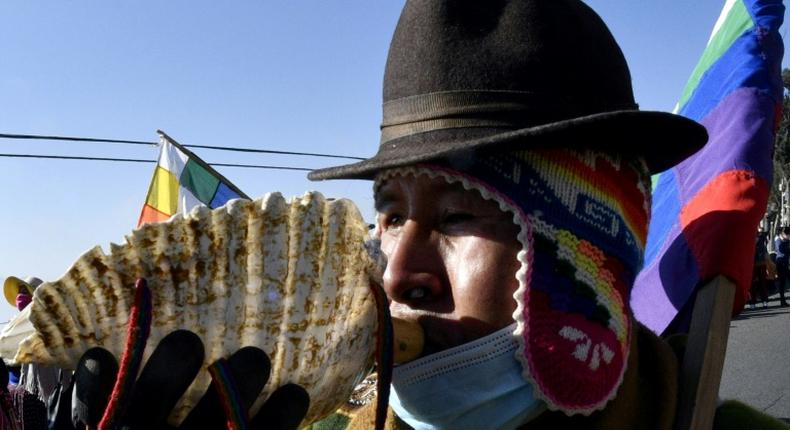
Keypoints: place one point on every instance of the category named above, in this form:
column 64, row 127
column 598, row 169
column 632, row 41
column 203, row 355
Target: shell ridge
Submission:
column 275, row 242
column 278, row 355
column 329, row 299
column 119, row 296
column 207, row 312
column 216, row 307
column 238, row 259
column 308, row 274
column 253, row 282
column 177, row 254
column 164, row 296
column 189, row 273
column 77, row 292
column 317, row 317
column 43, row 318
column 107, row 298
column 81, row 277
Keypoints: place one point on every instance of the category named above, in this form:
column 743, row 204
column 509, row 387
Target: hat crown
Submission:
column 33, row 281
column 465, row 76
column 559, row 52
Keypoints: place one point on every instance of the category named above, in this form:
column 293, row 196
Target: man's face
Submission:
column 451, row 259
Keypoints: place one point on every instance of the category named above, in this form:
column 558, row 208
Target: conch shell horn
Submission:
column 289, row 277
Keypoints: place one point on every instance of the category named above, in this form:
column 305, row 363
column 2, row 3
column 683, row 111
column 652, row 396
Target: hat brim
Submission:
column 11, row 288
column 662, row 139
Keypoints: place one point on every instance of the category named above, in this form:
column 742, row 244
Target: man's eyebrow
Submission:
column 383, row 198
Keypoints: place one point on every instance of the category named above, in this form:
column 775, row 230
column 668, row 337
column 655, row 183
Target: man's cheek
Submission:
column 387, row 244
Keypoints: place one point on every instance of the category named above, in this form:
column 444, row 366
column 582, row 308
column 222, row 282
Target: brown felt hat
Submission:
column 464, row 76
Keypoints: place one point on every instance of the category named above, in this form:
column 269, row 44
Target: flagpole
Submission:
column 202, row 163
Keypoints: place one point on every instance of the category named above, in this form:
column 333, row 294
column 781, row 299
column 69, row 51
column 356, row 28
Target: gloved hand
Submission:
column 107, row 396
column 169, row 371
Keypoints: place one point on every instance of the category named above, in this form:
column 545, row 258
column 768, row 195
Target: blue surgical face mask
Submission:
column 477, row 385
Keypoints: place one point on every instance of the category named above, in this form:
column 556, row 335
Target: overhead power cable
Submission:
column 74, row 139
column 140, row 142
column 139, row 160
column 69, row 157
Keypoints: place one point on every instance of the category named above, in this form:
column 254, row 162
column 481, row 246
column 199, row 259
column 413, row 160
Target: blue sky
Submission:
column 298, row 76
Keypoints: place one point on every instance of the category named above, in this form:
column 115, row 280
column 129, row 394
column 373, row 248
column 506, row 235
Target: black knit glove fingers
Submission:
column 166, row 376
column 283, row 410
column 250, row 368
column 168, row 373
column 171, row 368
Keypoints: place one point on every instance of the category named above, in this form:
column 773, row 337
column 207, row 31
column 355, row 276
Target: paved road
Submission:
column 757, row 365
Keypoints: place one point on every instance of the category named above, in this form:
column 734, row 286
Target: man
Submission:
column 782, row 247
column 762, row 273
column 513, row 194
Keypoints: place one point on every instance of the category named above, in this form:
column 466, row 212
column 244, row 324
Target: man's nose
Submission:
column 414, row 266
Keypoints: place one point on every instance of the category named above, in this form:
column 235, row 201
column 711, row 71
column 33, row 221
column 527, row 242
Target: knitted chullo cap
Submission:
column 583, row 223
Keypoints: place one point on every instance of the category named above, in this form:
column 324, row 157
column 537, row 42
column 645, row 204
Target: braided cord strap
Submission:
column 222, row 381
column 384, row 354
column 136, row 336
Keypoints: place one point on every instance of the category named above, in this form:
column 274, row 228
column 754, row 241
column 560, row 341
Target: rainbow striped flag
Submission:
column 706, row 209
column 182, row 181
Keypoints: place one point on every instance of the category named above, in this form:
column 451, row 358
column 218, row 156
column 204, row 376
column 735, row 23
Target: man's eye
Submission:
column 393, row 220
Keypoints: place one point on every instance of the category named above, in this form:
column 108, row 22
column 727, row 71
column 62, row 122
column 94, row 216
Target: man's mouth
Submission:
column 409, row 340
column 440, row 334
column 430, row 348
column 422, row 336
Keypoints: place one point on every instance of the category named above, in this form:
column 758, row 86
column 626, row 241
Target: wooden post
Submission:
column 703, row 361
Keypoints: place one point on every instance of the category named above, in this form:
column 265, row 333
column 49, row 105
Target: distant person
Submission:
column 24, row 405
column 782, row 248
column 35, row 383
column 8, row 415
column 18, row 292
column 760, row 278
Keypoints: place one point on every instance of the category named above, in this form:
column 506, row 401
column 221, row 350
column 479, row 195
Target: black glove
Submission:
column 168, row 373
column 250, row 368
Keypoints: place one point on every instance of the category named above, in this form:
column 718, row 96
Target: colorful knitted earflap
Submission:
column 583, row 219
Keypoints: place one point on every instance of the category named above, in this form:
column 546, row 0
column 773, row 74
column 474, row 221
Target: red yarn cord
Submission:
column 136, row 336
